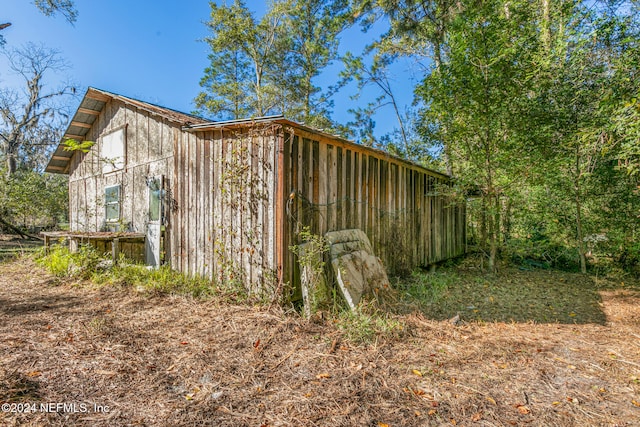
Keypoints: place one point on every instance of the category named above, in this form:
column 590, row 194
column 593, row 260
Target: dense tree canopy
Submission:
column 531, row 106
column 269, row 65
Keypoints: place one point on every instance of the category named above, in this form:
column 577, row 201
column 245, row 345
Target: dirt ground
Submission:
column 79, row 355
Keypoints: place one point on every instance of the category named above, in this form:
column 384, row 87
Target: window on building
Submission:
column 112, row 153
column 112, row 203
column 155, row 199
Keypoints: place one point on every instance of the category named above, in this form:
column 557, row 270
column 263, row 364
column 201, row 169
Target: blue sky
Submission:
column 151, row 50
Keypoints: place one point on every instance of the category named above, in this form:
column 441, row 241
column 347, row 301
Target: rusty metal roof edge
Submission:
column 280, row 119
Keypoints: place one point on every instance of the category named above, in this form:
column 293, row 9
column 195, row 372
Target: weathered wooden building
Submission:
column 226, row 199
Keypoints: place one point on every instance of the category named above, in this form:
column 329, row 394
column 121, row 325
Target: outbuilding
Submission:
column 227, row 199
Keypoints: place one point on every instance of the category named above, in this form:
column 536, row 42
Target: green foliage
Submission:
column 533, row 108
column 317, row 294
column 268, row 65
column 88, row 264
column 527, row 293
column 367, row 325
column 29, row 198
column 61, row 262
column 426, row 289
column 73, row 145
column 161, row 280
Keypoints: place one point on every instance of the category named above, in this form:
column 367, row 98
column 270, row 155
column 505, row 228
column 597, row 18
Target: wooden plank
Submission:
column 217, row 202
column 384, row 209
column 330, row 200
column 364, row 163
column 357, row 192
column 348, row 205
column 299, row 179
column 315, row 190
column 256, row 172
column 88, row 111
column 271, row 157
column 206, row 205
column 287, row 263
column 198, row 196
column 344, row 144
column 279, row 204
column 322, row 188
column 115, row 250
column 227, row 200
column 240, row 202
column 339, row 188
column 92, row 94
column 76, row 137
column 305, row 166
column 292, row 268
column 81, row 125
column 372, row 201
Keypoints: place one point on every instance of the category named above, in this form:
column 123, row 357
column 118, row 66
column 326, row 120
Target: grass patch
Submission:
column 367, row 324
column 161, row 280
column 61, row 262
column 90, row 265
column 427, row 289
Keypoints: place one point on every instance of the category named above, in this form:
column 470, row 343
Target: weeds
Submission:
column 367, row 324
column 161, row 280
column 426, row 289
column 316, row 293
column 364, row 328
column 61, row 262
column 88, row 264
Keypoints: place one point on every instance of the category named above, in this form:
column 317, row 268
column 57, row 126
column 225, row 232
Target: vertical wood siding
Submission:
column 238, row 197
column 148, row 153
column 331, row 185
column 224, row 190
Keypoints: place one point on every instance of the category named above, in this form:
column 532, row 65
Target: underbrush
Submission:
column 368, row 324
column 88, row 264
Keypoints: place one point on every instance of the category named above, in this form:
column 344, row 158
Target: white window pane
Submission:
column 112, row 154
column 112, row 203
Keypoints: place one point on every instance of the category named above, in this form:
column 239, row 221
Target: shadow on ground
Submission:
column 513, row 295
column 38, row 303
column 12, row 246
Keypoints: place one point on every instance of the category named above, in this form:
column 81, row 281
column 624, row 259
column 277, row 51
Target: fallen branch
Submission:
column 16, row 230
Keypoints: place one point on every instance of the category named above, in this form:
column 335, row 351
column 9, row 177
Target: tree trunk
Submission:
column 494, row 224
column 483, row 224
column 579, row 232
column 578, row 204
column 506, row 220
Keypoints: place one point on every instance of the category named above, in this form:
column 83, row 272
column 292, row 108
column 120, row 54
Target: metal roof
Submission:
column 90, row 108
column 281, row 120
column 95, row 100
